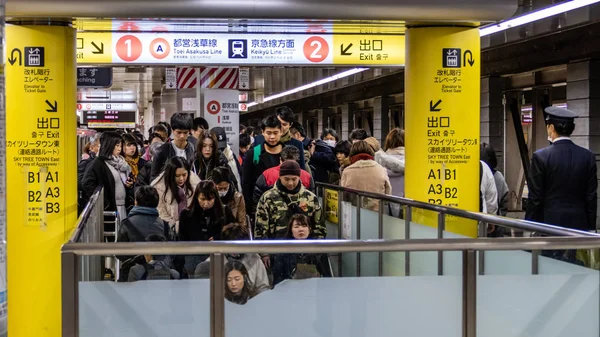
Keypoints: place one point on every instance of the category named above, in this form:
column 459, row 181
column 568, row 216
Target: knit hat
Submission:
column 374, row 143
column 289, row 168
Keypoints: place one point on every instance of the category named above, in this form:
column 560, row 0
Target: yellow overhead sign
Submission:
column 368, row 50
column 94, row 48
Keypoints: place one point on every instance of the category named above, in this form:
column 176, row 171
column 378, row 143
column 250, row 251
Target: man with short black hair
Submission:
column 358, row 134
column 286, row 117
column 200, row 124
column 261, row 157
column 268, row 179
column 180, row 147
column 143, row 219
column 245, row 143
column 563, row 183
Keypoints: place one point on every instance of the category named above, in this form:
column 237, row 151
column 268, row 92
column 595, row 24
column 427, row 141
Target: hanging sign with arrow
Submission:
column 244, row 78
column 171, row 78
column 94, row 48
column 368, row 49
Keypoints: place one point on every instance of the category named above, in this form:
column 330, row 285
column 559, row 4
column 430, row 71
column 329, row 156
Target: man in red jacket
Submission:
column 268, row 179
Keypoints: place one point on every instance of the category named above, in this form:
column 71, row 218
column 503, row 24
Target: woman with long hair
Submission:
column 222, row 177
column 131, row 154
column 203, row 220
column 208, row 155
column 299, row 266
column 237, row 286
column 175, row 188
column 111, row 171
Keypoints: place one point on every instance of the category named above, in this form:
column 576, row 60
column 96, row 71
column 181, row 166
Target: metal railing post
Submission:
column 469, row 293
column 482, row 234
column 407, row 221
column 358, row 203
column 341, row 196
column 380, row 230
column 440, row 235
column 535, row 262
column 70, row 294
column 217, row 296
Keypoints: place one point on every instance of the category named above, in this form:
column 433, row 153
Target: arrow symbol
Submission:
column 12, row 58
column 99, row 50
column 345, row 50
column 434, row 107
column 470, row 59
column 53, row 108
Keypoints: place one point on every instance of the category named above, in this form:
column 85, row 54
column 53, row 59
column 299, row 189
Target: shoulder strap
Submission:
column 257, row 151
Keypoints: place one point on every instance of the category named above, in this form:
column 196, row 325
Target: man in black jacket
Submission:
column 82, row 166
column 261, row 157
column 181, row 123
column 563, row 183
column 286, row 117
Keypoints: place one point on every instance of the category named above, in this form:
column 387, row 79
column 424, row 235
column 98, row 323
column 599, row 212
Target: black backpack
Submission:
column 163, row 272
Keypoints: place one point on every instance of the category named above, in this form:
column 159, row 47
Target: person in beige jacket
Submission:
column 365, row 174
column 175, row 186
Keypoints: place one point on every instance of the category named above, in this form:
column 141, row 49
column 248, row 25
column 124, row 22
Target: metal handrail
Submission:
column 330, row 246
column 85, row 215
column 483, row 217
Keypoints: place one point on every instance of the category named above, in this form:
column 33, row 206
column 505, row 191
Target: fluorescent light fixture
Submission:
column 312, row 85
column 484, row 31
column 534, row 16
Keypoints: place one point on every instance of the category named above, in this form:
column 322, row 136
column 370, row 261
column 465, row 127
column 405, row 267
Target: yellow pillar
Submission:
column 442, row 121
column 41, row 170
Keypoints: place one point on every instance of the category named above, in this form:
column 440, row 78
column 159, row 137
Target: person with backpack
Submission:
column 155, row 267
column 277, row 206
column 261, row 158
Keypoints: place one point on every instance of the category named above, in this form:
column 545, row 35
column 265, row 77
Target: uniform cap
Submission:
column 289, row 168
column 221, row 136
column 560, row 114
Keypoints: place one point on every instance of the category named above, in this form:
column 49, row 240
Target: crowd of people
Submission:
column 184, row 182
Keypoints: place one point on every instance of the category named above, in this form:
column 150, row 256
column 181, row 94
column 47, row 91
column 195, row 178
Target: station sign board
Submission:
column 94, row 77
column 245, row 49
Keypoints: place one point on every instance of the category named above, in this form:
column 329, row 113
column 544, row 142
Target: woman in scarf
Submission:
column 136, row 163
column 111, row 171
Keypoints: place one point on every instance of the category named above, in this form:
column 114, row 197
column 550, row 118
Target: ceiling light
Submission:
column 534, row 16
column 312, row 85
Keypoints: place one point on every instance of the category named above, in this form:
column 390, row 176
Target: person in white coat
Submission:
column 232, row 162
column 489, row 193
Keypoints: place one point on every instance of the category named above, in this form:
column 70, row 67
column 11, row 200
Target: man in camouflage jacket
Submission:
column 286, row 198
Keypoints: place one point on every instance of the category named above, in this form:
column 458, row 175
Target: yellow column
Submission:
column 41, row 169
column 442, row 121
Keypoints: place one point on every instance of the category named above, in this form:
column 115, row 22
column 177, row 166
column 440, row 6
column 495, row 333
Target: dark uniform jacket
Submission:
column 166, row 152
column 563, row 186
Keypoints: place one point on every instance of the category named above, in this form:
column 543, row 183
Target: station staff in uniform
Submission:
column 563, row 183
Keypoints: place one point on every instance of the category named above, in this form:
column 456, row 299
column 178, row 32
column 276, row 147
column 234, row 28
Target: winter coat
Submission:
column 234, row 167
column 368, row 176
column 81, row 167
column 285, row 265
column 166, row 152
column 98, row 174
column 393, row 161
column 140, row 224
column 143, row 178
column 202, row 225
column 286, row 140
column 168, row 209
column 251, row 171
column 204, row 169
column 276, row 207
column 237, row 205
column 323, row 161
column 267, row 180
